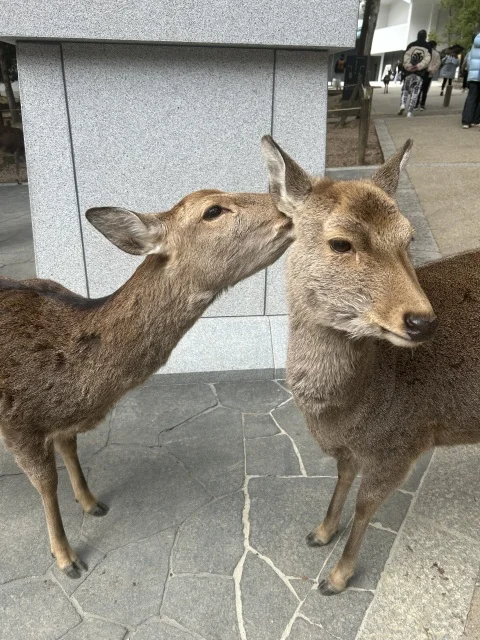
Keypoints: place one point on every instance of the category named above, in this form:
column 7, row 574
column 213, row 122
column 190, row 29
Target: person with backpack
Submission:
column 416, row 60
column 471, row 110
column 448, row 70
column 338, row 72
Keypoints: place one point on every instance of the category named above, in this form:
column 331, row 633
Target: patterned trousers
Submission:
column 411, row 87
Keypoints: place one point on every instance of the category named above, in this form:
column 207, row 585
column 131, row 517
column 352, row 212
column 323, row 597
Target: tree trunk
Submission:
column 8, row 87
column 365, row 39
column 372, row 23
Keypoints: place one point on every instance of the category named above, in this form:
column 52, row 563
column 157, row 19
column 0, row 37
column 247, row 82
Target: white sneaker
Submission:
column 410, row 114
column 401, row 110
column 466, row 126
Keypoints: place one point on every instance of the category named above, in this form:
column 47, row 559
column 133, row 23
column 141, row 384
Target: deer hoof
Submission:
column 314, row 541
column 100, row 509
column 74, row 570
column 326, row 589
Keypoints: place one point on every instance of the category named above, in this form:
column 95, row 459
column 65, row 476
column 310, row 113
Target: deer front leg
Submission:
column 67, row 447
column 38, row 463
column 375, row 488
column 325, row 531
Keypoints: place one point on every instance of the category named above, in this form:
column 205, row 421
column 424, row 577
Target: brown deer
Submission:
column 354, row 299
column 65, row 360
column 11, row 142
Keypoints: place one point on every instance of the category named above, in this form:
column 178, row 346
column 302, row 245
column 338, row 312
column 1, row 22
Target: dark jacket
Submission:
column 418, row 44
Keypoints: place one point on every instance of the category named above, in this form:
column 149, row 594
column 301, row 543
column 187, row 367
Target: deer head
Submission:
column 349, row 268
column 213, row 238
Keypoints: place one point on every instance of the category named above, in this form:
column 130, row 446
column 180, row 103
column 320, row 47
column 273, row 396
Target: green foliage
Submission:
column 463, row 22
column 11, row 60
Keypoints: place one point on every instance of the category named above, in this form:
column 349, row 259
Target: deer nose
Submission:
column 420, row 327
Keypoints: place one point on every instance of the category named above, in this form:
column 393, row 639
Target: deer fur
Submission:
column 11, row 142
column 373, row 406
column 65, row 360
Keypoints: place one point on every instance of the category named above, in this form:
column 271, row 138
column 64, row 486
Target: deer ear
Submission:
column 137, row 233
column 290, row 185
column 388, row 175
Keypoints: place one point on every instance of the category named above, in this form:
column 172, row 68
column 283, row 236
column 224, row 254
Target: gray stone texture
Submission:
column 447, row 489
column 413, row 480
column 265, row 619
column 147, row 491
column 166, row 532
column 392, row 512
column 253, row 396
column 220, row 346
column 211, row 448
column 211, row 540
column 35, row 610
column 303, row 630
column 316, row 462
column 283, row 511
column 374, row 552
column 53, row 199
column 189, row 81
column 139, row 573
column 141, row 416
column 24, row 546
column 156, row 629
column 259, row 426
column 279, row 329
column 16, row 240
column 271, row 456
column 204, row 605
column 96, row 629
column 303, row 25
column 340, row 615
column 427, row 585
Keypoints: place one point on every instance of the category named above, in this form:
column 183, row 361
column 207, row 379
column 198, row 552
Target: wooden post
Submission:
column 364, row 125
column 448, row 95
column 357, row 95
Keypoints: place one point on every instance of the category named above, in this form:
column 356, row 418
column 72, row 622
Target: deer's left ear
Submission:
column 137, row 233
column 290, row 185
column 388, row 176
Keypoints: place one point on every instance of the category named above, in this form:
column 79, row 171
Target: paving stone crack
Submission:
column 379, row 525
column 189, row 472
column 295, row 448
column 288, row 628
column 197, row 415
column 238, row 571
column 176, row 625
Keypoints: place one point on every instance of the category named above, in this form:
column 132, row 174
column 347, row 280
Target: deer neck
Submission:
column 327, row 370
column 142, row 322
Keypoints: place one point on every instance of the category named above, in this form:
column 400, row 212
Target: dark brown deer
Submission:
column 12, row 143
column 354, row 300
column 65, row 360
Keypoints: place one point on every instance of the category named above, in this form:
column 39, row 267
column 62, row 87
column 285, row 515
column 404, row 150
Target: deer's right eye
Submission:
column 340, row 246
column 213, row 212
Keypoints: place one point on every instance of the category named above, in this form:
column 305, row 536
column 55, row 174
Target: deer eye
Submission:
column 213, row 212
column 340, row 246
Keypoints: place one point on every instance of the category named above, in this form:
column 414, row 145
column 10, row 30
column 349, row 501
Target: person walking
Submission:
column 432, row 69
column 471, row 109
column 448, row 70
column 338, row 72
column 416, row 60
column 387, row 76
